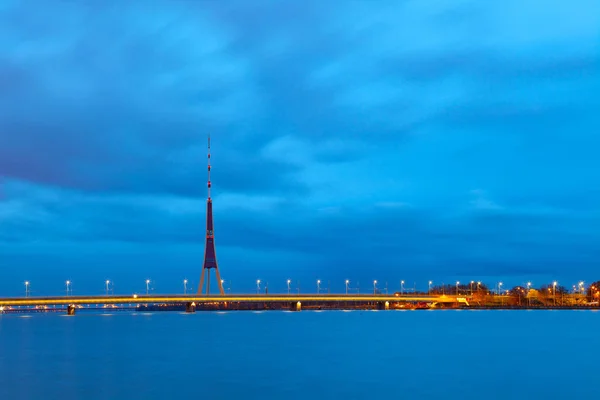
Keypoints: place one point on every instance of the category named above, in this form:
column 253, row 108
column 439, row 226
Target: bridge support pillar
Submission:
column 190, row 307
column 71, row 309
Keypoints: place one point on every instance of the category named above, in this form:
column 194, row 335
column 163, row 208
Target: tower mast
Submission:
column 210, row 255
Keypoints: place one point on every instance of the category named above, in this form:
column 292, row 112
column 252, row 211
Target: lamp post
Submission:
column 26, row 288
column 147, row 286
column 472, row 282
column 185, row 281
column 288, row 286
column 478, row 284
column 499, row 287
column 347, row 283
column 429, row 288
column 401, row 288
column 374, row 287
column 107, row 283
column 554, row 292
column 68, row 283
column 257, row 286
column 457, row 283
column 528, row 297
column 318, row 286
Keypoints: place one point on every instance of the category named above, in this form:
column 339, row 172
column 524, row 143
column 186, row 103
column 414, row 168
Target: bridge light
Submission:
column 135, row 296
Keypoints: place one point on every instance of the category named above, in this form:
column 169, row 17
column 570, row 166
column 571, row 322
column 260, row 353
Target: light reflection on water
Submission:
column 327, row 354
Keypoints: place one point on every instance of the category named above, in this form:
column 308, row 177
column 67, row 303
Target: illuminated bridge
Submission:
column 233, row 302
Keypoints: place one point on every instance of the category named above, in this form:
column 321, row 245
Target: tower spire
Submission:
column 210, row 255
column 209, row 167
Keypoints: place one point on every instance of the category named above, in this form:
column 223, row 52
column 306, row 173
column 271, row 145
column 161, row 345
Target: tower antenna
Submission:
column 209, row 167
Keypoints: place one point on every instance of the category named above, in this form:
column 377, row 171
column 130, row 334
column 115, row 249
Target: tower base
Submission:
column 219, row 281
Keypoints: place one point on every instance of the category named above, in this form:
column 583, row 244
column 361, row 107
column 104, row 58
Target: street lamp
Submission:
column 185, row 281
column 554, row 291
column 457, row 282
column 68, row 283
column 528, row 297
column 472, row 282
column 401, row 288
column 499, row 287
column 429, row 287
column 478, row 284
column 318, row 286
column 347, row 283
column 147, row 286
column 374, row 287
column 288, row 286
column 26, row 288
column 257, row 286
column 107, row 283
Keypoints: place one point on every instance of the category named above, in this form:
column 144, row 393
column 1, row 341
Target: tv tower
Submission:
column 210, row 255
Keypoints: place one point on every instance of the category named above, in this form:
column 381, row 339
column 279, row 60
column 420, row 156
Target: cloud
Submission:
column 347, row 134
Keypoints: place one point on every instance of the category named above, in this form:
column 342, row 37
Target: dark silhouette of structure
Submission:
column 210, row 255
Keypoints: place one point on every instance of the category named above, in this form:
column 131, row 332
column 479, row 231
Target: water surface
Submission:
column 307, row 355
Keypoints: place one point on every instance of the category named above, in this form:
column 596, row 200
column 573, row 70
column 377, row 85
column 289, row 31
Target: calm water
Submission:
column 306, row 355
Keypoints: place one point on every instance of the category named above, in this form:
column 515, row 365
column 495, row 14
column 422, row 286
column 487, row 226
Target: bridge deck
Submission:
column 153, row 299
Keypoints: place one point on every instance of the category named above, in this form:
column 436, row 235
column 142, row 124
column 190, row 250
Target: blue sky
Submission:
column 388, row 140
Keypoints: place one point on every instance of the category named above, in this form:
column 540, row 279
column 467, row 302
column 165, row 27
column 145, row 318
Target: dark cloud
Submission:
column 399, row 137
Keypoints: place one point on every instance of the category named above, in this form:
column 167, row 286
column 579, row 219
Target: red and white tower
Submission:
column 210, row 255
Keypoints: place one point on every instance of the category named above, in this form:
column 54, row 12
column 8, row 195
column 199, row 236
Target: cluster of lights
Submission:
column 579, row 288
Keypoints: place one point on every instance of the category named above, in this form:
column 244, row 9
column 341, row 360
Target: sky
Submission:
column 362, row 140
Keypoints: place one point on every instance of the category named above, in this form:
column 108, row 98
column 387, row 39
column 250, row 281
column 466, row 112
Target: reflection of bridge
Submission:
column 232, row 301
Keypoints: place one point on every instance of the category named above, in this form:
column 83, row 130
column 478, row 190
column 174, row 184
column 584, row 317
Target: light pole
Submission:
column 107, row 283
column 347, row 283
column 554, row 291
column 401, row 288
column 499, row 287
column 429, row 288
column 68, row 283
column 478, row 284
column 185, row 281
column 257, row 286
column 528, row 297
column 147, row 286
column 318, row 286
column 288, row 285
column 472, row 282
column 26, row 288
column 374, row 287
column 457, row 283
